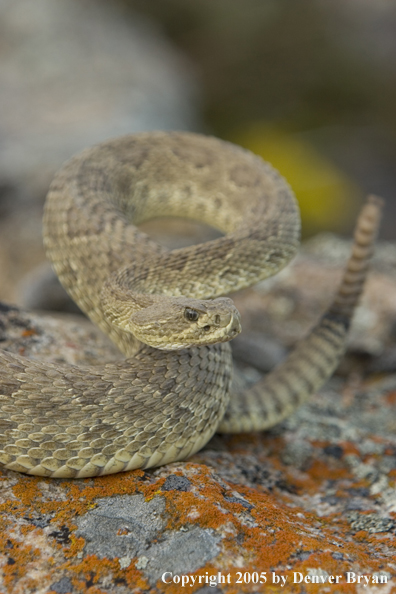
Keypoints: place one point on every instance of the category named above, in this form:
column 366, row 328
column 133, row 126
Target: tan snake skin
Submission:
column 164, row 401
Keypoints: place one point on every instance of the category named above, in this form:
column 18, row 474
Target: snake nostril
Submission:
column 206, row 328
column 217, row 319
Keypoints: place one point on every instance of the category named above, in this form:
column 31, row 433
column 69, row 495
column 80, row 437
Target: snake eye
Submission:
column 191, row 315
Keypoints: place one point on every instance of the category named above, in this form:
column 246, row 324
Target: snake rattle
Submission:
column 165, row 310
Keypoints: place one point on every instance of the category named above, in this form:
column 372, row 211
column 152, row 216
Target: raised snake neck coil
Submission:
column 163, row 405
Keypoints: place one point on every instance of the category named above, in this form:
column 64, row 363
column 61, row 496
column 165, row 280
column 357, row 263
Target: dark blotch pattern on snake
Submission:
column 166, row 310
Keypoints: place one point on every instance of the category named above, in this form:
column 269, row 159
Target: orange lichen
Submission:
column 280, row 532
column 264, row 531
column 391, row 398
column 29, row 332
column 75, row 547
column 30, row 500
column 349, row 448
column 26, row 490
column 21, row 556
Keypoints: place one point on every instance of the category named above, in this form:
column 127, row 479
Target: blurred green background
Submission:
column 309, row 85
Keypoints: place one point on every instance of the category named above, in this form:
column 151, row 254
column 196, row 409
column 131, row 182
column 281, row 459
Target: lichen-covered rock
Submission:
column 309, row 506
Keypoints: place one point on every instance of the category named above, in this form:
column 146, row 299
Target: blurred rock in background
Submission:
column 310, row 86
column 73, row 74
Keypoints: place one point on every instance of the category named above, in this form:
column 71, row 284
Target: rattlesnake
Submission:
column 172, row 392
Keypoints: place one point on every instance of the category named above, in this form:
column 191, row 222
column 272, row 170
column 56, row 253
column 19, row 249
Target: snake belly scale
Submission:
column 166, row 310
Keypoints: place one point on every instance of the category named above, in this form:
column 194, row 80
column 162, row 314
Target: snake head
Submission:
column 179, row 322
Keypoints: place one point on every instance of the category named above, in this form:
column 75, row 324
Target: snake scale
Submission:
column 165, row 310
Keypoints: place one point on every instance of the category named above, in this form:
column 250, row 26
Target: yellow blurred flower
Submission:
column 328, row 197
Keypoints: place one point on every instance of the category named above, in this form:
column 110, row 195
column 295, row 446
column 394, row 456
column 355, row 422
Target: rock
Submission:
column 310, row 499
column 258, row 350
column 64, row 586
column 176, row 483
column 72, row 340
column 285, row 306
column 74, row 74
column 122, row 526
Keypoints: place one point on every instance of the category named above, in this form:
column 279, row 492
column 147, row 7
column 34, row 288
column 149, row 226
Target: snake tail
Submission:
column 314, row 359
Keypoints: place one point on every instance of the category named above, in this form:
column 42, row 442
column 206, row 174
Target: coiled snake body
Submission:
column 164, row 309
